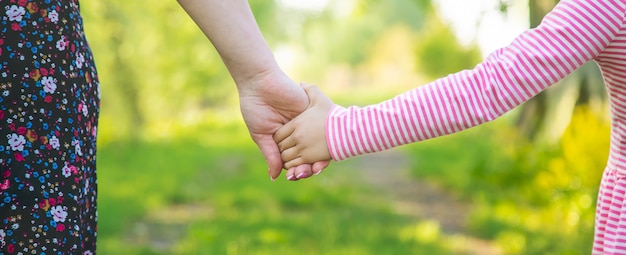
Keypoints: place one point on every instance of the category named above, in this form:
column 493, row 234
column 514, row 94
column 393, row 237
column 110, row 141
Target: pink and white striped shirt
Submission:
column 573, row 33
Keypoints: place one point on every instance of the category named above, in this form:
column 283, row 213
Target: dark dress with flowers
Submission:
column 49, row 104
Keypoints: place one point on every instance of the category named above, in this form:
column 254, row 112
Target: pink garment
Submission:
column 575, row 32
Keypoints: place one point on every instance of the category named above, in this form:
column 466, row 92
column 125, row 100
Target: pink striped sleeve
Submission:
column 575, row 32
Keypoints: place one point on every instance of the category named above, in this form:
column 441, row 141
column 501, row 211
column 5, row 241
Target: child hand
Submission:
column 303, row 139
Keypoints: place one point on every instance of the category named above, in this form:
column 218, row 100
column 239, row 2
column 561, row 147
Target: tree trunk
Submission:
column 533, row 112
column 546, row 116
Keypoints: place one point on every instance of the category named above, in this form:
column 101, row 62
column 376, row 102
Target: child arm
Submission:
column 574, row 33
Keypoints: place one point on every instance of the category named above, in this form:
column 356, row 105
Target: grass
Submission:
column 206, row 191
column 529, row 198
column 198, row 195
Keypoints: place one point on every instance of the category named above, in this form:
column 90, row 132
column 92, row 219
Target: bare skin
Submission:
column 303, row 139
column 268, row 97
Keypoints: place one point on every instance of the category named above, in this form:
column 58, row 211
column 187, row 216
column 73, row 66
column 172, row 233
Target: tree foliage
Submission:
column 155, row 65
column 157, row 69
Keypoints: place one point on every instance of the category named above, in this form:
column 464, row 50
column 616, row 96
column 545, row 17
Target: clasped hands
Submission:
column 287, row 122
column 303, row 139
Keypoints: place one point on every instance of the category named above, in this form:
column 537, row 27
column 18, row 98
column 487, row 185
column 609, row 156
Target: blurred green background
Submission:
column 178, row 173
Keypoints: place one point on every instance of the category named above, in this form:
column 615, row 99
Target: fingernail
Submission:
column 270, row 174
column 318, row 172
column 301, row 175
column 291, row 177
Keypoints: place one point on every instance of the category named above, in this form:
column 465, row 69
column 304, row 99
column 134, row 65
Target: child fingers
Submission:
column 286, row 144
column 294, row 163
column 283, row 132
column 289, row 154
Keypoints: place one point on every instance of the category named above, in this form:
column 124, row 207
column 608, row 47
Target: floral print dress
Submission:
column 49, row 104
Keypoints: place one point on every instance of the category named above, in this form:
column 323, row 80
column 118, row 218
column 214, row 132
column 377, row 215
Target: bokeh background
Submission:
column 178, row 173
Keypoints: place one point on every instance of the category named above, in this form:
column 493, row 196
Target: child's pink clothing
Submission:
column 575, row 32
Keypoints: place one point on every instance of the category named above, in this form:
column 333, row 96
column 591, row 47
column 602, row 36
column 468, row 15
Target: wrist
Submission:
column 258, row 79
column 272, row 87
column 253, row 69
column 333, row 143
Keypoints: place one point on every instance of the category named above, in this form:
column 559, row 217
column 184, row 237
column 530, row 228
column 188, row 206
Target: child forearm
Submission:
column 531, row 63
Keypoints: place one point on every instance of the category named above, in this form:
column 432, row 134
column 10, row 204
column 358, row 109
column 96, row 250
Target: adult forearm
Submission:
column 231, row 27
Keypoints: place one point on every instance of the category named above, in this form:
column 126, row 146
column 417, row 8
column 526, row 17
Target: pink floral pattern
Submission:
column 49, row 105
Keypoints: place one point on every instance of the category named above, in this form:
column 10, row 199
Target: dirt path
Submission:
column 389, row 171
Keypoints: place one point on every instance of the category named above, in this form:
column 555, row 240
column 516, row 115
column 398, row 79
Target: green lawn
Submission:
column 528, row 197
column 211, row 195
column 207, row 192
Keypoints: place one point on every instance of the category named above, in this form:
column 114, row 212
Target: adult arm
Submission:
column 268, row 98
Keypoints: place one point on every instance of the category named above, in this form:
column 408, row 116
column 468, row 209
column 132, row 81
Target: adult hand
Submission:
column 268, row 101
column 268, row 98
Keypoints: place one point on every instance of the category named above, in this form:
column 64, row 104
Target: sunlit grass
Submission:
column 206, row 191
column 188, row 195
column 530, row 198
